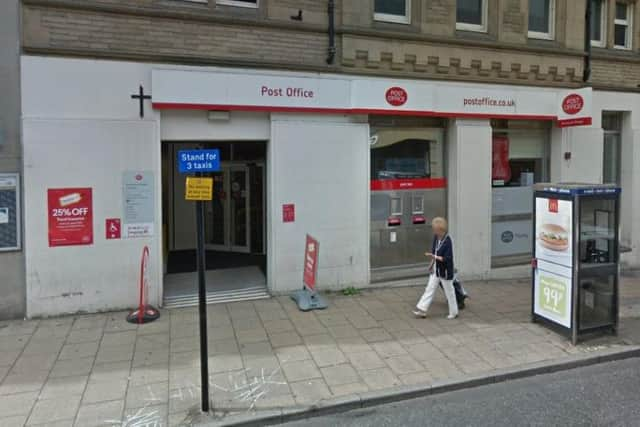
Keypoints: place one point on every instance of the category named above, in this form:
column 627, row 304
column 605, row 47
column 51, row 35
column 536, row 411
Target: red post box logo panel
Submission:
column 572, row 104
column 396, row 96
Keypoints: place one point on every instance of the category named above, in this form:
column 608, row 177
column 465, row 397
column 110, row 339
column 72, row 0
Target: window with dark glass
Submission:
column 391, row 7
column 541, row 18
column 597, row 22
column 470, row 14
column 622, row 26
column 612, row 128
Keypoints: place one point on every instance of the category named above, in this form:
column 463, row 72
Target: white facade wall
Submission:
column 82, row 129
column 469, row 159
column 320, row 164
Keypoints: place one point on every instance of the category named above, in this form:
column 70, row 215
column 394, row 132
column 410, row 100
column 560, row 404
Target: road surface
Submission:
column 600, row 395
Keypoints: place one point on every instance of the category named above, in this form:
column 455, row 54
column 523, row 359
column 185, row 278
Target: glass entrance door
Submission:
column 228, row 226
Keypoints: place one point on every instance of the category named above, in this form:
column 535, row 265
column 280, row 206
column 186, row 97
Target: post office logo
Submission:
column 572, row 104
column 396, row 96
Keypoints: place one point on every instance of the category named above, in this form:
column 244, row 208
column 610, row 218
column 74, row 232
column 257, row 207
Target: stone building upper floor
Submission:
column 532, row 42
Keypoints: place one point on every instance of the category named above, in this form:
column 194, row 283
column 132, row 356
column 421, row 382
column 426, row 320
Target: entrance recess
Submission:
column 234, row 226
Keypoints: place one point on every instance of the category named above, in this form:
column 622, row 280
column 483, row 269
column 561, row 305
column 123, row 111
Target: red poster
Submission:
column 310, row 262
column 501, row 170
column 70, row 212
column 113, row 229
column 288, row 213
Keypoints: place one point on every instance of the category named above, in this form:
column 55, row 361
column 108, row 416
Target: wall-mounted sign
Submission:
column 199, row 189
column 139, row 204
column 70, row 212
column 289, row 212
column 333, row 94
column 112, row 228
column 9, row 212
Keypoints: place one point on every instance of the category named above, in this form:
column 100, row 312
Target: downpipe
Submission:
column 331, row 9
column 586, row 74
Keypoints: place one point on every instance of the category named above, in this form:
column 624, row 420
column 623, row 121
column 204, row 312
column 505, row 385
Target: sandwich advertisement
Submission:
column 554, row 255
column 70, row 216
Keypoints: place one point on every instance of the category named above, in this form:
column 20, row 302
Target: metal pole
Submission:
column 202, row 300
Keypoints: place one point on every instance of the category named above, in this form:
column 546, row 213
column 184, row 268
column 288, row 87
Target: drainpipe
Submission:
column 332, row 32
column 587, row 43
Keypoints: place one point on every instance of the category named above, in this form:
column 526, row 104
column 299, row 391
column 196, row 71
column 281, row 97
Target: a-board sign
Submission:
column 199, row 189
column 310, row 262
column 192, row 161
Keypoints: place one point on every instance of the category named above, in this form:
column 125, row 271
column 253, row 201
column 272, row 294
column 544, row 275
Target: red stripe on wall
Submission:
column 408, row 184
column 320, row 110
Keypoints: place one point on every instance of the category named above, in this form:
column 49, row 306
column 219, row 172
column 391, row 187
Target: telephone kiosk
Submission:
column 576, row 258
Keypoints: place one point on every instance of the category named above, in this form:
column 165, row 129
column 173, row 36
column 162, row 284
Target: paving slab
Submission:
column 267, row 358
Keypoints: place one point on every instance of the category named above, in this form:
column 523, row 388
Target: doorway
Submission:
column 236, row 213
column 235, row 226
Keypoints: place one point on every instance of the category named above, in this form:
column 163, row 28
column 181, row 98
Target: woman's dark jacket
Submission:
column 444, row 268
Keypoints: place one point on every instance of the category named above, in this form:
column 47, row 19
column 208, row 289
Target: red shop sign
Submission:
column 70, row 212
column 396, row 96
column 572, row 104
column 310, row 262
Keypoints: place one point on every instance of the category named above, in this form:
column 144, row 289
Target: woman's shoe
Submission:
column 451, row 317
column 419, row 313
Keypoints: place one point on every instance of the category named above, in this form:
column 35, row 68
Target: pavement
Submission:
column 599, row 395
column 267, row 359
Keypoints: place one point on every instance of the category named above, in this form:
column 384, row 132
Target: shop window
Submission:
column 623, row 26
column 398, row 11
column 541, row 19
column 598, row 23
column 520, row 159
column 239, row 3
column 612, row 127
column 471, row 15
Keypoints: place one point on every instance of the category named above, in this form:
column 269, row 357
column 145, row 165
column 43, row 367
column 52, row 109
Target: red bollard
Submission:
column 145, row 313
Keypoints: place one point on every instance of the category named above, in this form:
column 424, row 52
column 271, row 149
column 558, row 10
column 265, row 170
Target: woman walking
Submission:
column 442, row 270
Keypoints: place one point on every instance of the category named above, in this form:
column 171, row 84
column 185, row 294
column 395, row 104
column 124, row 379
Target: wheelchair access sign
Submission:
column 192, row 161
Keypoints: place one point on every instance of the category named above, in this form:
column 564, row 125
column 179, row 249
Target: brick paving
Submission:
column 98, row 370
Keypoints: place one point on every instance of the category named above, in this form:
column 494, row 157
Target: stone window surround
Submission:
column 395, row 19
column 550, row 35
